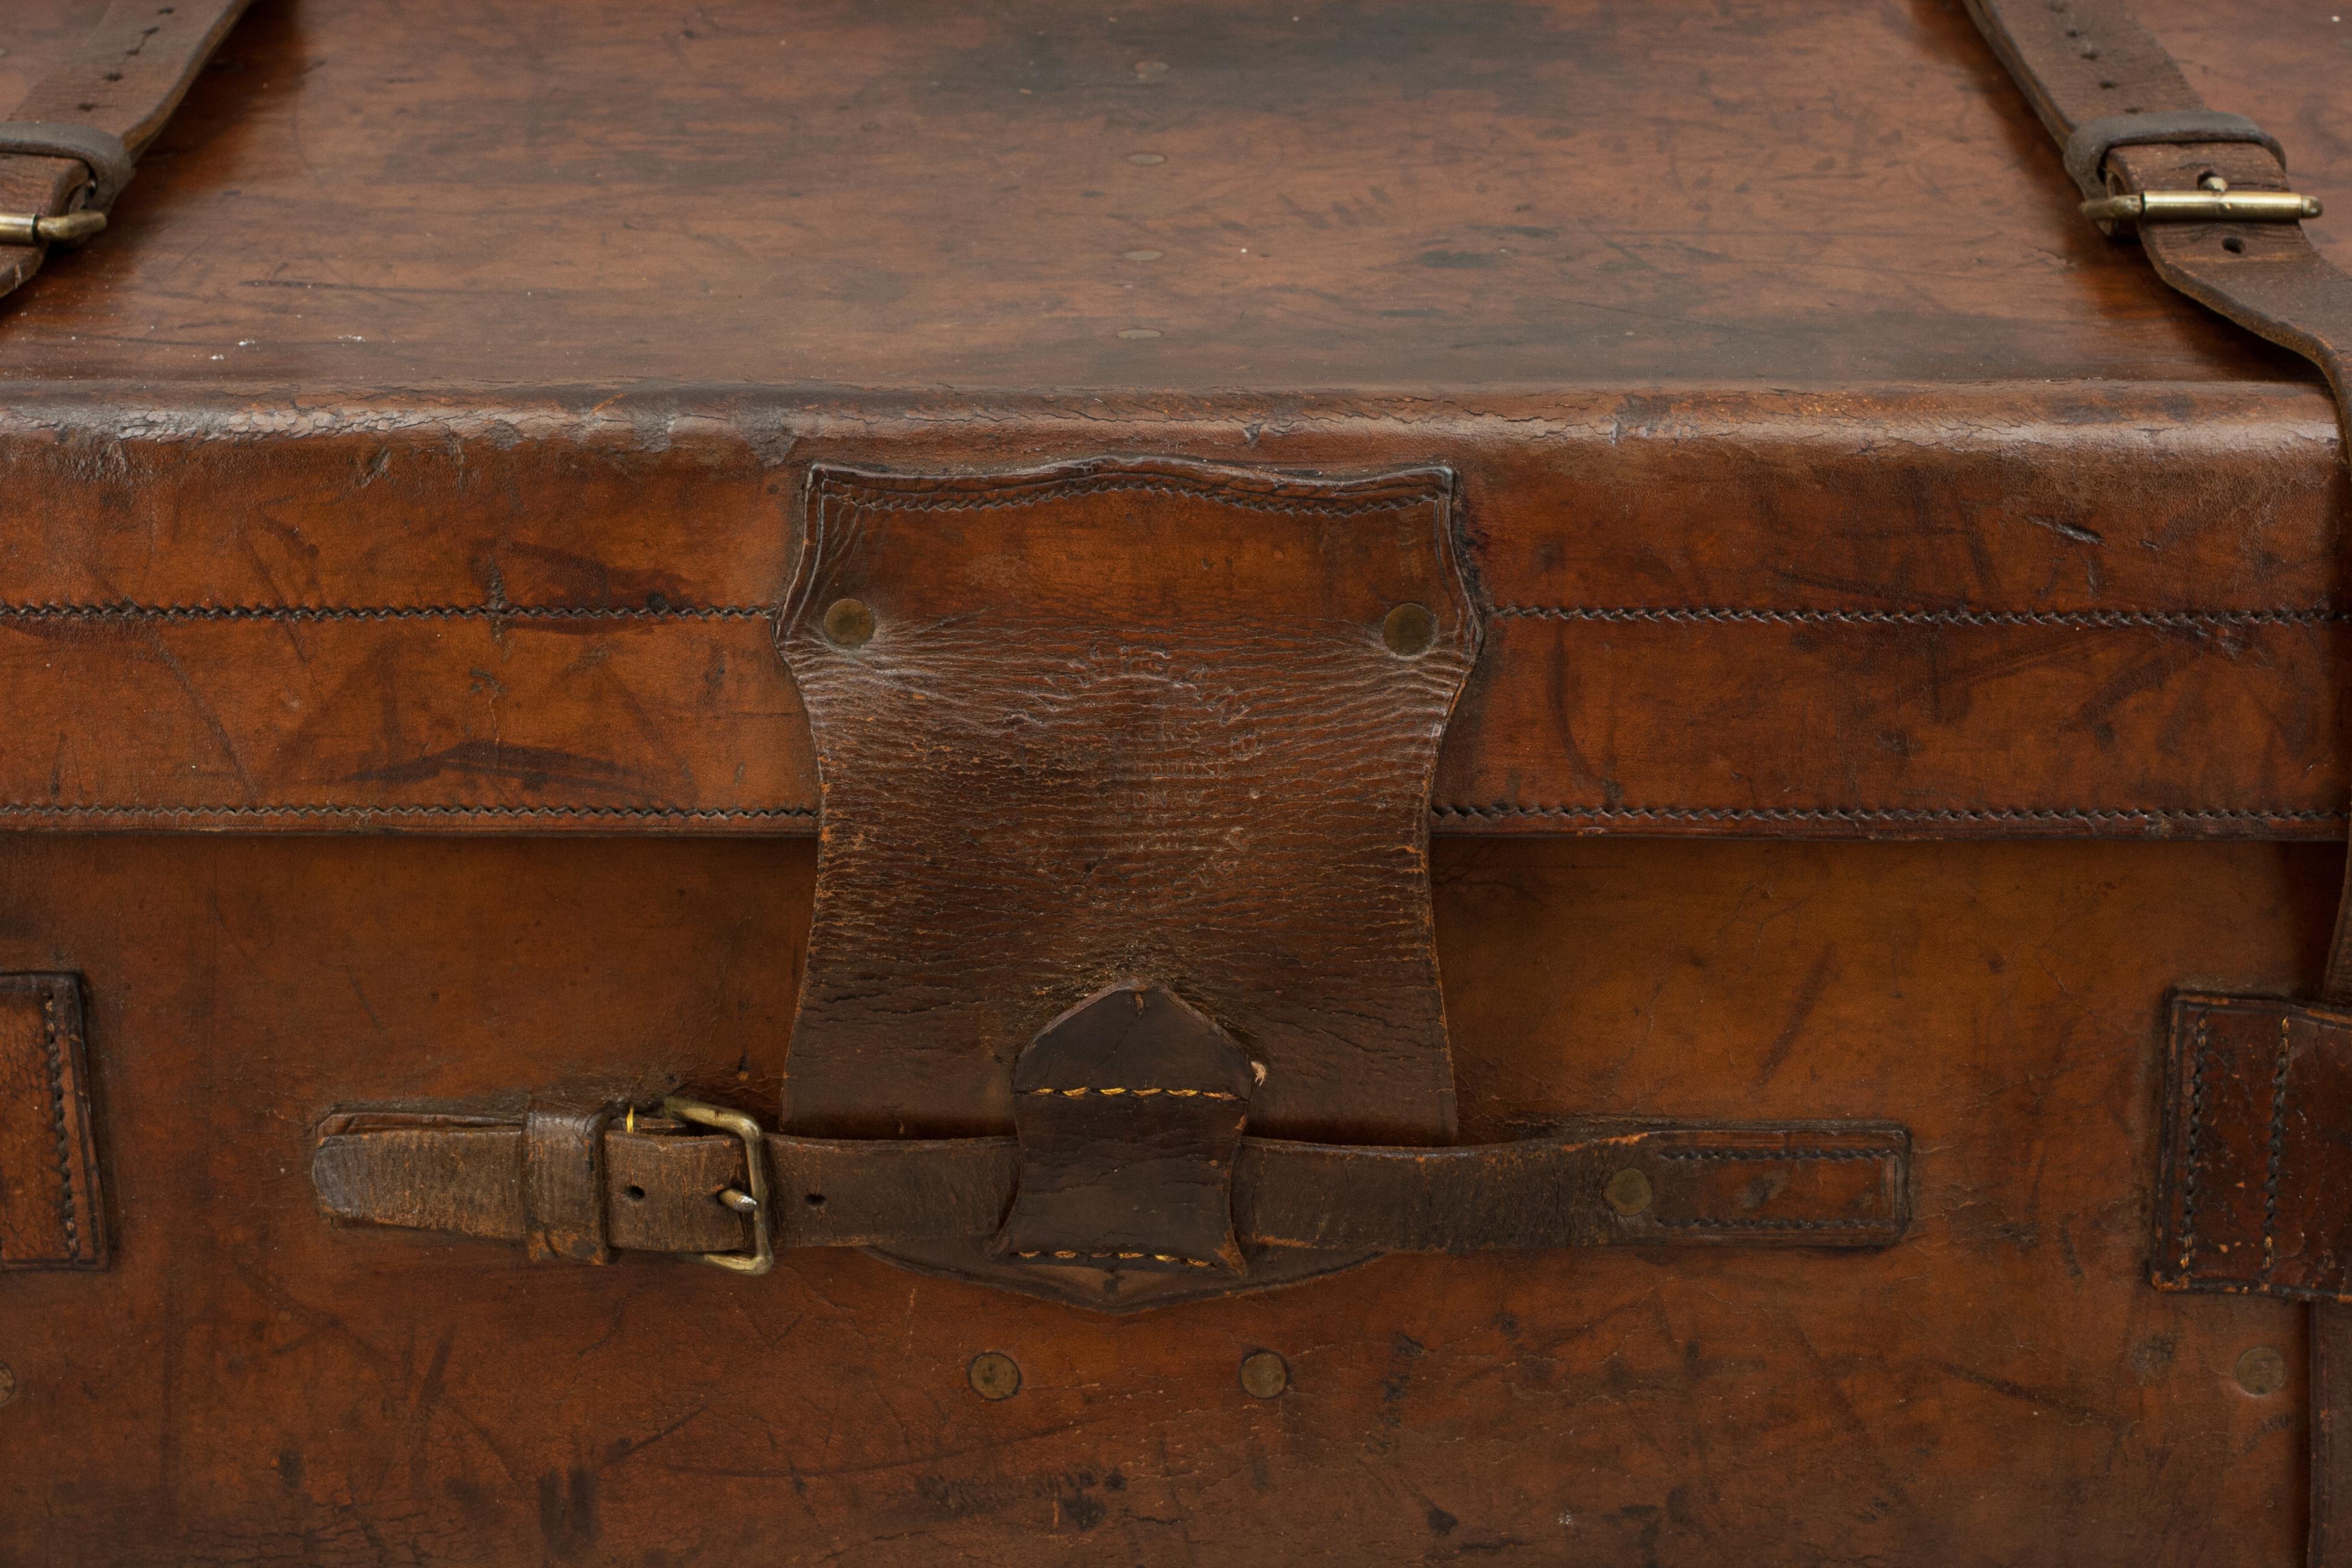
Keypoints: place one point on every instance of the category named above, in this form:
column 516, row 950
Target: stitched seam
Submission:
column 1780, row 1155
column 1775, row 1225
column 883, row 501
column 124, row 611
column 1893, row 814
column 1179, row 1093
column 1155, row 1257
column 2085, row 620
column 2196, row 1130
column 664, row 813
column 2277, row 1148
column 67, row 1221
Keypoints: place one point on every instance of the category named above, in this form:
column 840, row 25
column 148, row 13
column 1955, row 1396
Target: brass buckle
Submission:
column 2214, row 202
column 753, row 1204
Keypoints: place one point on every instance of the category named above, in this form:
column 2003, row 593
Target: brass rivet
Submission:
column 1629, row 1192
column 8, row 1384
column 994, row 1376
column 2261, row 1371
column 1410, row 631
column 848, row 623
column 1265, row 1374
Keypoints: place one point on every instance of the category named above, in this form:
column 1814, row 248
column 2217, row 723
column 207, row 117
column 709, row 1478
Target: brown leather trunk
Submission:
column 1533, row 782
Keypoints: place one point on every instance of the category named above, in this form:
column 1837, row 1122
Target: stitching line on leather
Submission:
column 1781, row 1155
column 1029, row 493
column 1774, row 1224
column 2277, row 1147
column 1179, row 1093
column 644, row 812
column 1631, row 814
column 2196, row 1126
column 1999, row 814
column 67, row 1219
column 2087, row 620
column 1155, row 1257
column 57, row 611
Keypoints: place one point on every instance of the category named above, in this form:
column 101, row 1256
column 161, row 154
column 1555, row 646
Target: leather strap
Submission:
column 1795, row 1184
column 2085, row 65
column 71, row 145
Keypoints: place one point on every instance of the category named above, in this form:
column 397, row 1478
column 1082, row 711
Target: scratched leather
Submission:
column 1124, row 721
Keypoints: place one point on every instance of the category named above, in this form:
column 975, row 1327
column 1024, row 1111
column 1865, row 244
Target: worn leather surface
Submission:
column 840, row 221
column 124, row 78
column 51, row 1213
column 1843, row 1185
column 1128, row 1109
column 2031, row 543
column 564, row 1181
column 2002, row 1384
column 1119, row 720
column 2256, row 1170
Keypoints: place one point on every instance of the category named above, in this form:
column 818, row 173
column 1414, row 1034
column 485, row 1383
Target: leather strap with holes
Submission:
column 576, row 1184
column 69, row 146
column 2131, row 123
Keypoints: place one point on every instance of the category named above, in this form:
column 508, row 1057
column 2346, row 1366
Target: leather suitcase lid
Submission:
column 423, row 446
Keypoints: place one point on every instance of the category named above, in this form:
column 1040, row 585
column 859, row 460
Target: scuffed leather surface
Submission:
column 2071, row 610
column 261, row 1378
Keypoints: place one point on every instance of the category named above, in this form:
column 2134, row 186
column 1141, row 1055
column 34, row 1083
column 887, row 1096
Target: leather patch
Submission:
column 2254, row 1191
column 1129, row 1108
column 50, row 1213
column 1119, row 719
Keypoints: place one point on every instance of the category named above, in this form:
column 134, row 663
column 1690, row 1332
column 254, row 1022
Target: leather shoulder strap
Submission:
column 69, row 147
column 2131, row 123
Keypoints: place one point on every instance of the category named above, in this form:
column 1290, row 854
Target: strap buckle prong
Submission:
column 752, row 1204
column 2212, row 201
column 36, row 228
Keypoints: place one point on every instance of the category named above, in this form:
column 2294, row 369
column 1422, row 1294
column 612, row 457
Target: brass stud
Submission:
column 1629, row 1192
column 994, row 1376
column 1265, row 1374
column 2261, row 1371
column 1410, row 631
column 848, row 623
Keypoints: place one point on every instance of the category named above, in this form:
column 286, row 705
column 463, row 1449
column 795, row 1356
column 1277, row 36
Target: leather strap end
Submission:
column 2087, row 147
column 563, row 1183
column 103, row 153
